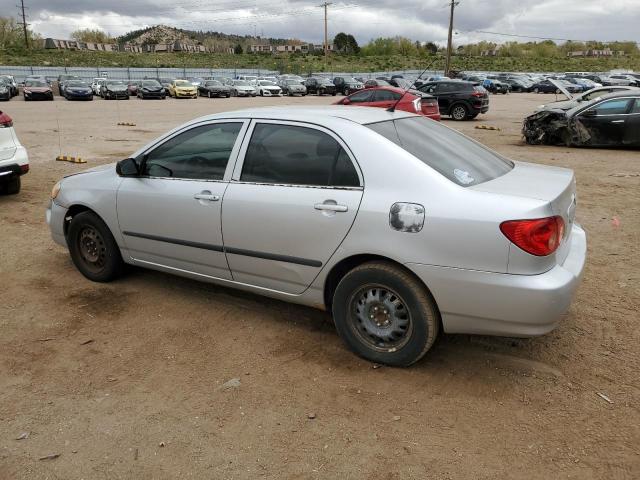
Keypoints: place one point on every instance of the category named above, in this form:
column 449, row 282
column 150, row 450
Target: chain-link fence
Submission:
column 86, row 73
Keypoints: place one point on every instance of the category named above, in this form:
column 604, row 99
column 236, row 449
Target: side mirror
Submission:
column 127, row 168
column 589, row 113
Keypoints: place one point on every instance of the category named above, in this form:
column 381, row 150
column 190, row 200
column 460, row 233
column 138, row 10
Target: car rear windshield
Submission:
column 458, row 158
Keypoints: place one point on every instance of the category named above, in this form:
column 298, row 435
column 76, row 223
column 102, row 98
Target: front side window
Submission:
column 612, row 107
column 636, row 106
column 361, row 97
column 201, row 153
column 286, row 154
column 448, row 152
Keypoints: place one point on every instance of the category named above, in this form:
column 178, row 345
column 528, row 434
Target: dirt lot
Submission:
column 125, row 380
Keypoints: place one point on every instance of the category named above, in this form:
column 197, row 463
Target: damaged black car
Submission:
column 609, row 121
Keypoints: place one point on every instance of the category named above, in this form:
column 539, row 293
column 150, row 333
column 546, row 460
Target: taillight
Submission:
column 417, row 105
column 540, row 236
column 477, row 94
column 5, row 121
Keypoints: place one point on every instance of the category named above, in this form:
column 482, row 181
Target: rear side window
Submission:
column 453, row 155
column 286, row 154
column 385, row 96
column 636, row 106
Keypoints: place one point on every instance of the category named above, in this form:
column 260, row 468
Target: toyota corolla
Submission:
column 398, row 225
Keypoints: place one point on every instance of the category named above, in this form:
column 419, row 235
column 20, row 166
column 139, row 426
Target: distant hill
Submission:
column 160, row 34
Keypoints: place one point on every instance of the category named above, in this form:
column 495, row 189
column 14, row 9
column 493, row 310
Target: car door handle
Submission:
column 617, row 121
column 331, row 207
column 206, row 196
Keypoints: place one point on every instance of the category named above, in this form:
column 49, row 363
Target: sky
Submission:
column 424, row 20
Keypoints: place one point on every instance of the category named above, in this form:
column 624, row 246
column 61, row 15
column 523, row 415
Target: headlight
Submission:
column 55, row 191
column 3, row 89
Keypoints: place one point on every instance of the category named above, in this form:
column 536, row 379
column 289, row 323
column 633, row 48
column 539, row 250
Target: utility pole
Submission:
column 447, row 64
column 326, row 40
column 24, row 23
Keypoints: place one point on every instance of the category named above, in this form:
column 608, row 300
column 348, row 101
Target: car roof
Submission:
column 321, row 115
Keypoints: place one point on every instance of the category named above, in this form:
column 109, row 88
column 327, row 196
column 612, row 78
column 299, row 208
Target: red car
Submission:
column 385, row 97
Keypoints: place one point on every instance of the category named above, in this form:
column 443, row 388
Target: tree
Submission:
column 346, row 43
column 431, row 47
column 237, row 49
column 12, row 34
column 92, row 36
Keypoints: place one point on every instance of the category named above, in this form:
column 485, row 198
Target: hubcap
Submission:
column 380, row 318
column 459, row 113
column 92, row 248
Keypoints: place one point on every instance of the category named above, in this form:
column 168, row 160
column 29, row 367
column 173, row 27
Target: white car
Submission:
column 268, row 89
column 242, row 88
column 250, row 79
column 96, row 84
column 14, row 161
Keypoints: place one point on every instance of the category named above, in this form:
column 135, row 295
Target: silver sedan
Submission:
column 398, row 225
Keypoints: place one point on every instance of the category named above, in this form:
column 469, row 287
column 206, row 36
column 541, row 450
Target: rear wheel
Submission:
column 346, row 92
column 536, row 90
column 384, row 314
column 12, row 187
column 93, row 249
column 459, row 112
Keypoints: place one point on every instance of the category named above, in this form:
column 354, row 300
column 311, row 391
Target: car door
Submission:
column 384, row 98
column 632, row 125
column 291, row 202
column 169, row 216
column 605, row 122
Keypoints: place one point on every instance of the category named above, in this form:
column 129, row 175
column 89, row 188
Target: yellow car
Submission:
column 182, row 89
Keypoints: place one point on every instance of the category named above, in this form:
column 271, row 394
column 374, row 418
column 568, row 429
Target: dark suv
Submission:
column 460, row 100
column 320, row 86
column 347, row 85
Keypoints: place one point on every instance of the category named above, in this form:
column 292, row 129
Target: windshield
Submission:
column 458, row 158
column 183, row 83
column 76, row 83
column 266, row 83
column 35, row 83
column 241, row 83
column 115, row 83
column 213, row 83
column 293, row 82
column 150, row 83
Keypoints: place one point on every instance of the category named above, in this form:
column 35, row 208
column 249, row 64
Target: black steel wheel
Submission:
column 385, row 314
column 93, row 249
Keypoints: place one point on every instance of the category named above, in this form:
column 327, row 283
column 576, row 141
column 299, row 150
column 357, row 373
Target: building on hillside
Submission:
column 52, row 43
column 605, row 52
column 288, row 48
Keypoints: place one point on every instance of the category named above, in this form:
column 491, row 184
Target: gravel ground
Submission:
column 127, row 380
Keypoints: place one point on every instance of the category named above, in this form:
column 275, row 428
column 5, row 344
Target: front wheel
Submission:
column 93, row 249
column 384, row 314
column 346, row 92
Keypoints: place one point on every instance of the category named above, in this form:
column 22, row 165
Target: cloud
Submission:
column 425, row 20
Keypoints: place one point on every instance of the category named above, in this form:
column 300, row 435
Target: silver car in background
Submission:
column 398, row 225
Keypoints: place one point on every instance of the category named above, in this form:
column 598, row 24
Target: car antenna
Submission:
column 392, row 108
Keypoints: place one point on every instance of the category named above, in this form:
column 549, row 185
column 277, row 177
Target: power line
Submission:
column 528, row 36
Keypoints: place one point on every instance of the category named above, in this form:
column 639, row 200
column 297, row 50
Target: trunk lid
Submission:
column 554, row 185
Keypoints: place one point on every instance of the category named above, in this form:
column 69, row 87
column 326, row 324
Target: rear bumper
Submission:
column 488, row 303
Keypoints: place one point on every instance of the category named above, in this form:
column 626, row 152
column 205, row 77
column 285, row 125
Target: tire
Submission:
column 536, row 90
column 383, row 285
column 459, row 112
column 346, row 92
column 12, row 187
column 209, row 94
column 89, row 237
